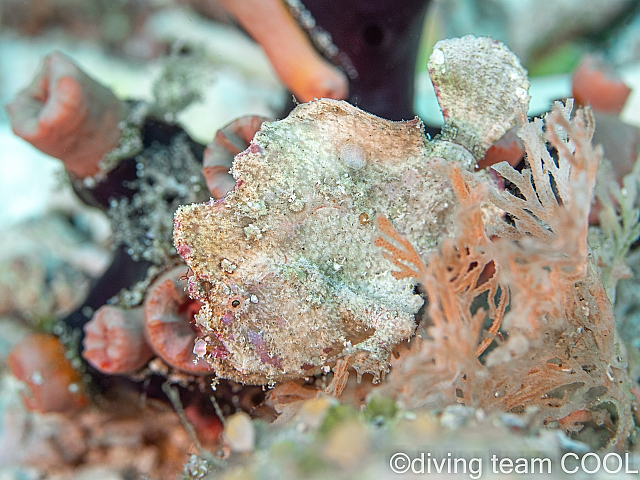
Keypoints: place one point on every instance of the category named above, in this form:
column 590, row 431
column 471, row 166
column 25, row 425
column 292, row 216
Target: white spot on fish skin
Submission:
column 353, row 156
column 437, row 57
column 37, row 378
column 228, row 266
column 522, row 94
column 200, row 348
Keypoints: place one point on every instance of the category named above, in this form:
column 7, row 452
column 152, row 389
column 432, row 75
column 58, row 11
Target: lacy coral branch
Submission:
column 559, row 327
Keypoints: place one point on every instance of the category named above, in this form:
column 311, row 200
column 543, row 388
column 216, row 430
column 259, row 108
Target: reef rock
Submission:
column 286, row 265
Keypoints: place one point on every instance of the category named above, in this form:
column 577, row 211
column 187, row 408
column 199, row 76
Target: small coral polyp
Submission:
column 289, row 276
column 68, row 115
column 168, row 322
column 51, row 383
column 114, row 340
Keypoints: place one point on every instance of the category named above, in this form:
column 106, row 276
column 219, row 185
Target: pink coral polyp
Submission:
column 169, row 323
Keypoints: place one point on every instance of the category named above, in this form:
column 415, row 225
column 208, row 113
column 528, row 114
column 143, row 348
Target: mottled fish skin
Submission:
column 285, row 264
column 478, row 108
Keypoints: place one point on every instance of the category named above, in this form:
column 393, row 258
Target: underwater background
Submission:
column 183, row 71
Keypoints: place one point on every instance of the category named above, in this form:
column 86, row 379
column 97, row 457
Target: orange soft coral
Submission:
column 303, row 71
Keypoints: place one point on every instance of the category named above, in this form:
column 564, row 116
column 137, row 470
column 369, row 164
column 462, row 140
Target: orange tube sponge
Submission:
column 508, row 148
column 302, row 70
column 229, row 141
column 68, row 115
column 595, row 83
column 52, row 384
column 114, row 340
column 169, row 322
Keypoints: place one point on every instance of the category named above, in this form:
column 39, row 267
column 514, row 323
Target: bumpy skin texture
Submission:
column 229, row 141
column 285, row 264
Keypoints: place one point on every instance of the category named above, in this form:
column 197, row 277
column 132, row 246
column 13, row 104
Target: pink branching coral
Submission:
column 525, row 274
